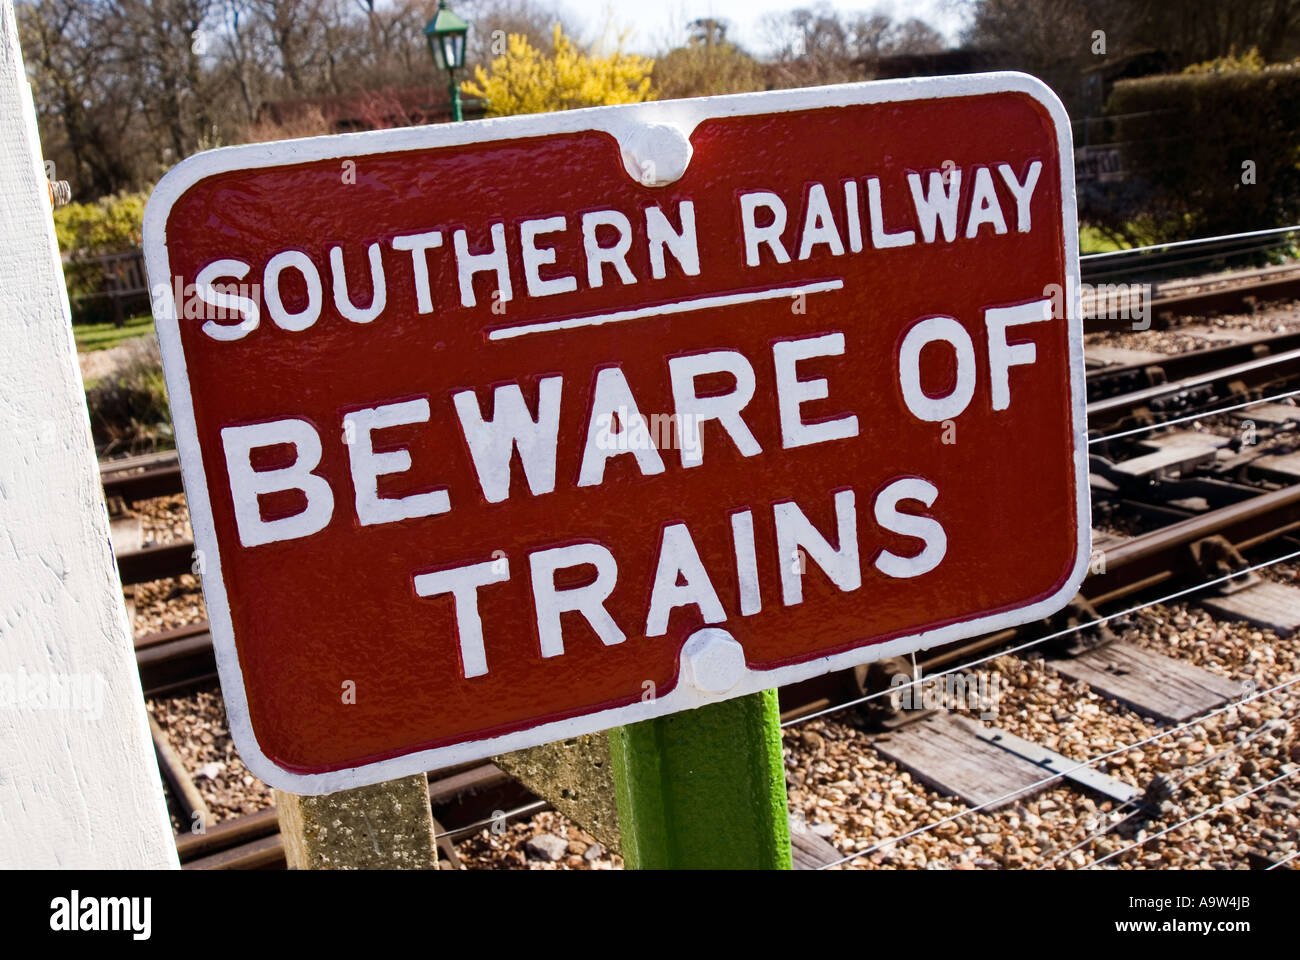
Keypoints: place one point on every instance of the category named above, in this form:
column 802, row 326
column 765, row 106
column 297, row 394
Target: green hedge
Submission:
column 87, row 230
column 1185, row 141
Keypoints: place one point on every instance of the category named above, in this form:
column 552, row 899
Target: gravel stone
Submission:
column 546, row 846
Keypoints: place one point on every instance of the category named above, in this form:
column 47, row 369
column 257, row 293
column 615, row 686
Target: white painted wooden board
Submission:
column 79, row 786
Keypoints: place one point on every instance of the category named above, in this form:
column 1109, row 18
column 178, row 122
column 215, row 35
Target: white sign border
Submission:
column 620, row 122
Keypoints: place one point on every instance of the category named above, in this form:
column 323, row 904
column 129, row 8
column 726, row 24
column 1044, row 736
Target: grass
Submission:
column 101, row 336
column 1092, row 240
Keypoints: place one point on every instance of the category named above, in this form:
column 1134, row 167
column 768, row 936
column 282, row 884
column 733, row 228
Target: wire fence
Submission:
column 1287, row 859
column 1181, row 244
column 927, row 828
column 1184, row 776
column 498, row 817
column 1099, row 621
column 1182, row 823
column 1177, row 256
column 1193, row 416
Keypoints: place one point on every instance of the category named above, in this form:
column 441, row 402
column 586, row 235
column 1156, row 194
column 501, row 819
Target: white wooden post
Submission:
column 79, row 786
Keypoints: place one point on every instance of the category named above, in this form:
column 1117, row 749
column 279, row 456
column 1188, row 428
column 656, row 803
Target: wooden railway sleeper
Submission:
column 1100, row 466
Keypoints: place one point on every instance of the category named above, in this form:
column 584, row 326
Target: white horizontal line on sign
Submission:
column 677, row 306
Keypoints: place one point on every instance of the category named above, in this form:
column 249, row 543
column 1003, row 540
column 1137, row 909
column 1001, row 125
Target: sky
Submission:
column 660, row 24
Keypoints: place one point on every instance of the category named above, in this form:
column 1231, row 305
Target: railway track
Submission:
column 1112, row 380
column 1123, row 283
column 1116, row 312
column 1208, row 520
column 1199, row 392
column 1174, row 555
column 468, row 799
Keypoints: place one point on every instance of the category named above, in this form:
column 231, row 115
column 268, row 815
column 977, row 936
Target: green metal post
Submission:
column 704, row 789
column 456, row 113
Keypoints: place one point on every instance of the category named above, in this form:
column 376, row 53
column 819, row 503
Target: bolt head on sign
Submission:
column 489, row 428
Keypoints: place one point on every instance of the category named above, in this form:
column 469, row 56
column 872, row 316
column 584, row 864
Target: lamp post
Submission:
column 446, row 36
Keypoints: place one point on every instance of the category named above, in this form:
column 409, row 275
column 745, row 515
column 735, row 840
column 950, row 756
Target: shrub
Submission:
column 1210, row 151
column 129, row 412
column 526, row 80
column 703, row 70
column 112, row 224
column 308, row 121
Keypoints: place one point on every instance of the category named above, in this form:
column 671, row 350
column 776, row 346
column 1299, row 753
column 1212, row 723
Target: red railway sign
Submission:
column 499, row 432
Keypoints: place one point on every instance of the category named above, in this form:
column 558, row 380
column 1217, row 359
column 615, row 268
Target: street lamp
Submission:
column 446, row 34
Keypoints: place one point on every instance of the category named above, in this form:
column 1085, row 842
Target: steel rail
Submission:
column 1121, row 379
column 1257, row 374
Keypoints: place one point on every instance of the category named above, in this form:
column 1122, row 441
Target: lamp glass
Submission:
column 452, row 51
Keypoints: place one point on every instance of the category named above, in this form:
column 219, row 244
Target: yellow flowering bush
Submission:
column 525, row 80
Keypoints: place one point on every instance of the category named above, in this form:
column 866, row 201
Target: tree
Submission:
column 814, row 45
column 1197, row 30
column 869, row 35
column 1060, row 40
column 493, row 21
column 162, row 62
column 526, row 80
column 126, row 88
column 708, row 31
column 1065, row 43
column 914, row 36
column 706, row 66
column 83, row 103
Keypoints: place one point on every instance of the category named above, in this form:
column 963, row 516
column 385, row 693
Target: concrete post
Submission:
column 575, row 777
column 385, row 826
